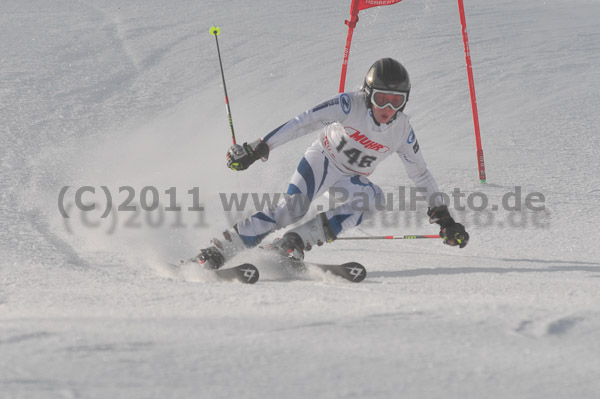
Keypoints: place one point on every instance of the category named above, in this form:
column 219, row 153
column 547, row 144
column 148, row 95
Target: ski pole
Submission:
column 215, row 30
column 389, row 237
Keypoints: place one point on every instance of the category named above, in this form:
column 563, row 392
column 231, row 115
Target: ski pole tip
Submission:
column 215, row 30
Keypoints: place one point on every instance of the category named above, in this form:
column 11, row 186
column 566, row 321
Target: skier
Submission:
column 357, row 131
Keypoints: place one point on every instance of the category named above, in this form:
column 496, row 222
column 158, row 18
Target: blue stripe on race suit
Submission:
column 356, row 180
column 307, row 174
column 328, row 103
column 273, row 133
column 325, row 166
column 293, row 189
column 336, row 222
column 360, row 219
column 252, row 241
column 263, row 217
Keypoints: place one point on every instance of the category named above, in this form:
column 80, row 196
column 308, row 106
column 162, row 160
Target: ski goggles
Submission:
column 393, row 99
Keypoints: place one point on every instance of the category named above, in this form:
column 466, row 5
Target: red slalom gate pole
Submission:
column 480, row 161
column 351, row 25
column 355, row 7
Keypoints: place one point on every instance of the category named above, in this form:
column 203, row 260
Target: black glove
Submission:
column 451, row 232
column 240, row 157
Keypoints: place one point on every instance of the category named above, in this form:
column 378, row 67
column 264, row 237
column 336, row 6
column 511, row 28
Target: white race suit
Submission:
column 349, row 147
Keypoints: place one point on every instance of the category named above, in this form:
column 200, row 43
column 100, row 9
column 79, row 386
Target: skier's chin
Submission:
column 383, row 119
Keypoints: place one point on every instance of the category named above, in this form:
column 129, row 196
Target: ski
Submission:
column 351, row 271
column 245, row 273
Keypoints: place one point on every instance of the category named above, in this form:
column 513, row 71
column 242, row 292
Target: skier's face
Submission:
column 383, row 115
column 386, row 103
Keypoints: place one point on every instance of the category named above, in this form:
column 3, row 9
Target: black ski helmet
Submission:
column 386, row 74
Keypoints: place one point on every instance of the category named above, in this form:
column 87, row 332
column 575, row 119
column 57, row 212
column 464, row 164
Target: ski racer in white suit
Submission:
column 357, row 131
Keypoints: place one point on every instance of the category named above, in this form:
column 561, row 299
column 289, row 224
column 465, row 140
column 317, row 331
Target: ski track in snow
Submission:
column 123, row 93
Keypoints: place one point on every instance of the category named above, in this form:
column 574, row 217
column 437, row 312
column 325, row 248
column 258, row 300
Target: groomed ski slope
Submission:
column 128, row 93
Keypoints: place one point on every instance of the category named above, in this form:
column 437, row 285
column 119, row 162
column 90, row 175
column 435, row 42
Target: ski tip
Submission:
column 245, row 273
column 351, row 271
column 355, row 272
column 249, row 273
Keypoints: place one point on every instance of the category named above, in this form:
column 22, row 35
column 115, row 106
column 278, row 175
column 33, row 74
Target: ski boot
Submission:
column 316, row 231
column 210, row 257
column 221, row 251
column 289, row 246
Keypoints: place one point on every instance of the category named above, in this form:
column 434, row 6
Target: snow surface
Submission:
column 128, row 93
